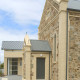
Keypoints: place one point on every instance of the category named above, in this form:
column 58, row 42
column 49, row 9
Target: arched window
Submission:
column 54, row 48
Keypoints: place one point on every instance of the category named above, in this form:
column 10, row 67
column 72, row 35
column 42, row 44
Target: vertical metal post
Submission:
column 67, row 45
column 49, row 65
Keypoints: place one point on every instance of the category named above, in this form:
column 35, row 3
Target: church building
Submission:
column 56, row 53
column 60, row 26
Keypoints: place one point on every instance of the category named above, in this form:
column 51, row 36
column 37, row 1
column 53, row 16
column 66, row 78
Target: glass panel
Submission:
column 14, row 59
column 14, row 72
column 14, row 63
column 10, row 62
column 10, row 59
column 10, row 72
column 10, row 68
column 14, row 68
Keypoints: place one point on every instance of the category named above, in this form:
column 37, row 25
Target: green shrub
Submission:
column 1, row 74
column 2, row 66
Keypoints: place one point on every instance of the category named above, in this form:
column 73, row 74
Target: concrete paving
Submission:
column 13, row 77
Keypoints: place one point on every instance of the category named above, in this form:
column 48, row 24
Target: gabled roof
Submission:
column 12, row 45
column 74, row 4
column 40, row 45
column 36, row 45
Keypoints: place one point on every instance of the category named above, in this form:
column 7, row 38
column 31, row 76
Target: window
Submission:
column 54, row 48
column 12, row 66
column 20, row 62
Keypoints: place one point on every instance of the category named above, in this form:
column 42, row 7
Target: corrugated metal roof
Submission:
column 74, row 4
column 36, row 45
column 40, row 45
column 12, row 45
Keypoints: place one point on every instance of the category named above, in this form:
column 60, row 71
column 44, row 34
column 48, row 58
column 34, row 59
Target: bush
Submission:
column 1, row 74
column 2, row 66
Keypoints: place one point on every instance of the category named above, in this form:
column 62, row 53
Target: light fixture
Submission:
column 41, row 55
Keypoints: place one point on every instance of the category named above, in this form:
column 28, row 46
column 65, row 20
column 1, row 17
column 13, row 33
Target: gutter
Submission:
column 73, row 9
column 67, row 47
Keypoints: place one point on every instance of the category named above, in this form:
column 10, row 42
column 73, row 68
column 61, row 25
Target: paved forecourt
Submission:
column 13, row 77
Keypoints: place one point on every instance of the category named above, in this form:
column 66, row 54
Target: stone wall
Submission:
column 34, row 56
column 49, row 26
column 74, row 46
column 50, row 11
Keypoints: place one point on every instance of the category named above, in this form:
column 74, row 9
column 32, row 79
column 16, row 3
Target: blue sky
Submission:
column 18, row 17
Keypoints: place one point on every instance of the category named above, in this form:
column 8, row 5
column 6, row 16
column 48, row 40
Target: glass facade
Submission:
column 12, row 66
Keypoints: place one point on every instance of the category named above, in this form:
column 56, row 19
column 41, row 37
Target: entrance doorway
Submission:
column 12, row 66
column 40, row 68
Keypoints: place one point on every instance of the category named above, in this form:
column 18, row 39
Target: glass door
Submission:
column 40, row 68
column 13, row 66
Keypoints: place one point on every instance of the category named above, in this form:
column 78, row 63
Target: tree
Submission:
column 2, row 66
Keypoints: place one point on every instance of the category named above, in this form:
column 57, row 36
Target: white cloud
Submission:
column 9, row 35
column 23, row 11
column 1, row 56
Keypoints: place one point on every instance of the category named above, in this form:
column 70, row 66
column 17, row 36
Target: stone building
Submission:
column 13, row 56
column 60, row 25
column 36, row 59
column 56, row 55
